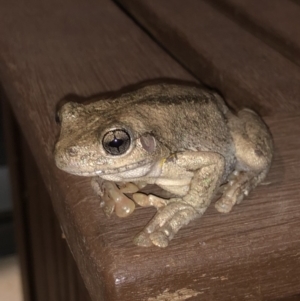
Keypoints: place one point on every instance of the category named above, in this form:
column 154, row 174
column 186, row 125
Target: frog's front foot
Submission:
column 172, row 215
column 113, row 198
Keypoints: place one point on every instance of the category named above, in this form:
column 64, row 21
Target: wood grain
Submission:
column 55, row 48
column 50, row 49
column 221, row 54
column 39, row 236
column 16, row 180
column 274, row 22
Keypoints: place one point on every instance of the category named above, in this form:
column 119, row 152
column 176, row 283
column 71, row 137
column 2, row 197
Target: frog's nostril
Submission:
column 72, row 151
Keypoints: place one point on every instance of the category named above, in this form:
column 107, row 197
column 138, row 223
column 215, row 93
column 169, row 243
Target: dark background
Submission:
column 7, row 245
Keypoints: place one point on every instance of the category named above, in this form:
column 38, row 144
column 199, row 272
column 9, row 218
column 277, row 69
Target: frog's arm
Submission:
column 207, row 169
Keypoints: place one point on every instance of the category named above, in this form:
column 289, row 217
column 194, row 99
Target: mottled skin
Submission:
column 182, row 138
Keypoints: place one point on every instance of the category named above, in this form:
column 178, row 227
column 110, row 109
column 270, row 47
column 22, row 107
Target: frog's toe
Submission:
column 112, row 199
column 128, row 187
column 166, row 223
column 124, row 207
column 224, row 205
column 238, row 186
column 143, row 240
column 108, row 206
column 159, row 239
column 226, row 202
column 96, row 184
column 149, row 200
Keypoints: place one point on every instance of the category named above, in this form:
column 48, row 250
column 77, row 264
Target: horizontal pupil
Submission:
column 116, row 142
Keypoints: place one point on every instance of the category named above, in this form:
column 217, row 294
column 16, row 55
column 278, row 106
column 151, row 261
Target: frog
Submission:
column 183, row 138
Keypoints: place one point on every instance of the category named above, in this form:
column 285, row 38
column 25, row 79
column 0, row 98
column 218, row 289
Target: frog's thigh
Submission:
column 253, row 142
column 254, row 152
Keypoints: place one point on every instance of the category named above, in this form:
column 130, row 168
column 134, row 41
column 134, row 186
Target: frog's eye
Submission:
column 116, row 142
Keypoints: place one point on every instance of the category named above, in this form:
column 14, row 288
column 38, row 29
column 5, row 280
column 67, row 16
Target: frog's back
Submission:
column 188, row 116
column 185, row 118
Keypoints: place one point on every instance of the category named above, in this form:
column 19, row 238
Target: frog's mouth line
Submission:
column 118, row 170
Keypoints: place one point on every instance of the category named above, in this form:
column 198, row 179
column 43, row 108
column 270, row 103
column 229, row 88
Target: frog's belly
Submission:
column 149, row 179
column 177, row 186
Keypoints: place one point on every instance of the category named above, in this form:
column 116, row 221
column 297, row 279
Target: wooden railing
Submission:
column 248, row 50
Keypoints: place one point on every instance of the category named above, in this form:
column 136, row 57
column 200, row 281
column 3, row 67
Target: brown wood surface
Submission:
column 291, row 298
column 54, row 48
column 39, row 236
column 221, row 53
column 275, row 22
column 18, row 198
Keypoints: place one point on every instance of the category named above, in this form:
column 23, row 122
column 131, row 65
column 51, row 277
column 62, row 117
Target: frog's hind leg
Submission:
column 239, row 186
column 254, row 150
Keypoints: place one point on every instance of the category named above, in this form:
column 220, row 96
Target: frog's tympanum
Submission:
column 182, row 138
